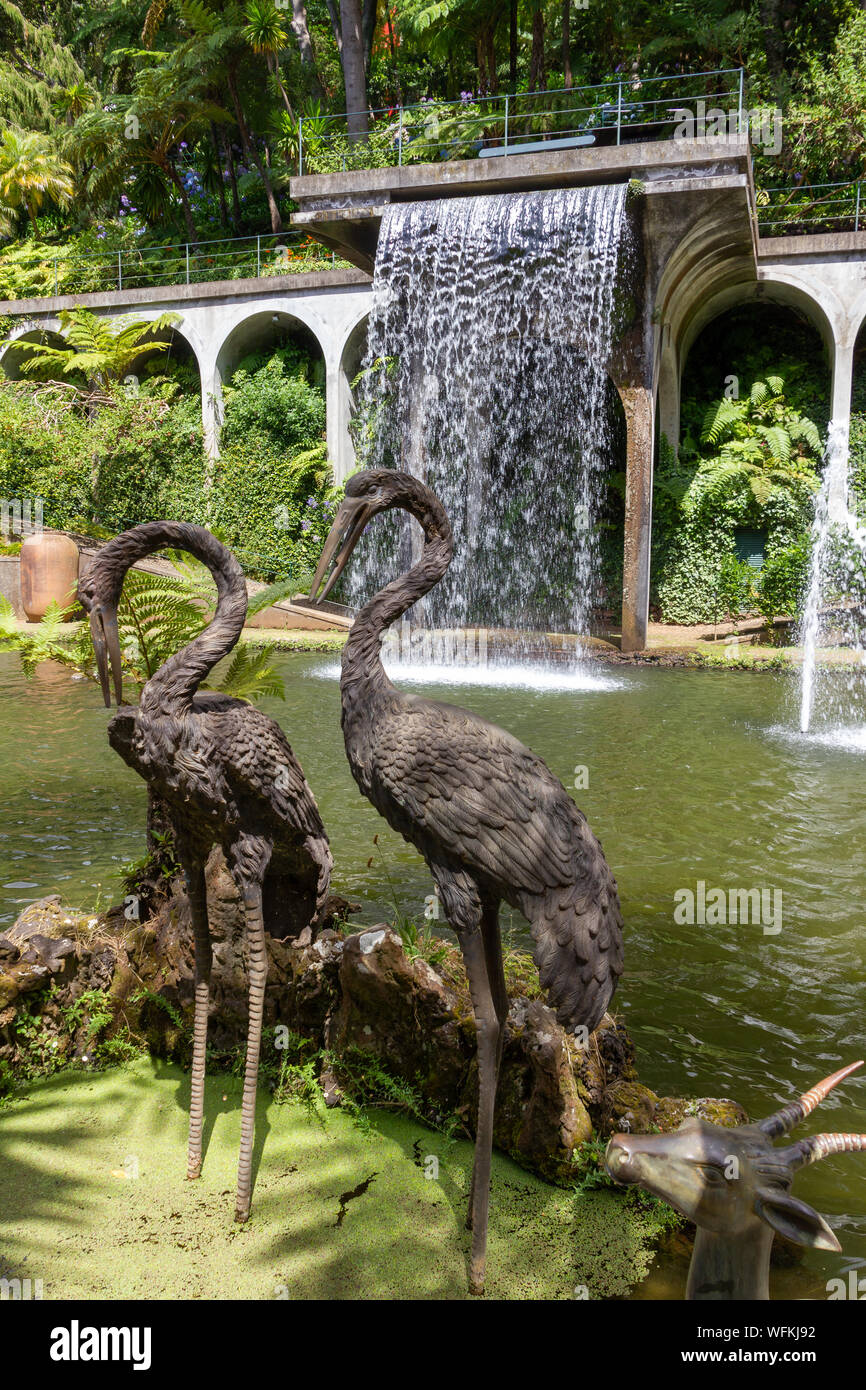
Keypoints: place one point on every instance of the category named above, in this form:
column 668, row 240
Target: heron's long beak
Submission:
column 106, row 645
column 352, row 516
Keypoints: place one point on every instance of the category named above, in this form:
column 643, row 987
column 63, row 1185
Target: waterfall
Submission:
column 491, row 327
column 834, row 614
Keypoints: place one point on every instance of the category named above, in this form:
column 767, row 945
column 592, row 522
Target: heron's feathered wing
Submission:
column 468, row 790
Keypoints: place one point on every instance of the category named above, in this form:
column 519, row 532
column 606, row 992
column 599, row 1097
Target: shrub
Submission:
column 274, row 405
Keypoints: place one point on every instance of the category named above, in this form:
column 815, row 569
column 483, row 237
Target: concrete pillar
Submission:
column 639, row 407
column 840, row 425
column 211, row 412
column 338, row 411
column 669, row 398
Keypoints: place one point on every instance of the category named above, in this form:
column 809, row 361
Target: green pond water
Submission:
column 692, row 776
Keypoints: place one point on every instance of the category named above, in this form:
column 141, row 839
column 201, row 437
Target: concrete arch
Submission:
column 180, row 335
column 45, row 332
column 244, row 332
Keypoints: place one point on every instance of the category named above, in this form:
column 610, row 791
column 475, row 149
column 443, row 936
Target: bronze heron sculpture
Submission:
column 489, row 817
column 227, row 776
column 734, row 1184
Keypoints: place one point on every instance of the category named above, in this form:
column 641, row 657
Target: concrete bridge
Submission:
column 701, row 255
column 221, row 322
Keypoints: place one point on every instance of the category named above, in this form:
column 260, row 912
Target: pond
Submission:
column 691, row 777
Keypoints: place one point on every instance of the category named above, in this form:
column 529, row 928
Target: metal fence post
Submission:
column 119, row 272
column 400, row 139
column 300, row 145
column 619, row 113
column 55, row 277
column 857, row 209
column 505, row 146
column 187, row 261
column 740, row 105
column 258, row 256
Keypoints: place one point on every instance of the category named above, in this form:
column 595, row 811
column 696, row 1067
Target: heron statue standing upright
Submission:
column 488, row 816
column 226, row 775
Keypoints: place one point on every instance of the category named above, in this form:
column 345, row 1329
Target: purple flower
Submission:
column 465, row 97
column 305, row 525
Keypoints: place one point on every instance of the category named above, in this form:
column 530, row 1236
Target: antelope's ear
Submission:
column 795, row 1220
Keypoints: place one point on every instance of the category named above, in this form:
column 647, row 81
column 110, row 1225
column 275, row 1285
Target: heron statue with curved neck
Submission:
column 227, row 776
column 489, row 817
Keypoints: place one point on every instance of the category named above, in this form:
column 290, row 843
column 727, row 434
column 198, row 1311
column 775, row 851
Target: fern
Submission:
column 251, row 675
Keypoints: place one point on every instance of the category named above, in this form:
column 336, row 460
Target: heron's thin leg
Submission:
column 195, row 882
column 487, row 1025
column 258, row 974
column 499, row 994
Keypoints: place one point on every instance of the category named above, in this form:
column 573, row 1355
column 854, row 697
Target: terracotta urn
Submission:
column 49, row 572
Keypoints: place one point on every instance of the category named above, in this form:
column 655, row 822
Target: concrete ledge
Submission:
column 302, row 283
column 559, row 168
column 795, row 247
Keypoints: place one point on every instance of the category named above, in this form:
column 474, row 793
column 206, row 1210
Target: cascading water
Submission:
column 490, row 331
column 832, row 698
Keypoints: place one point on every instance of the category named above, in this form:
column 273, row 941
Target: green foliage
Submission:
column 274, row 510
column 273, row 404
column 42, row 641
column 749, row 459
column 98, row 349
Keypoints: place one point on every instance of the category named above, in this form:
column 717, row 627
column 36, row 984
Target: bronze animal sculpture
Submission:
column 735, row 1185
column 226, row 775
column 488, row 816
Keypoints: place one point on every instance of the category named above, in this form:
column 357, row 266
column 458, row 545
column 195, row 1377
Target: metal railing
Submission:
column 175, row 263
column 812, row 208
column 617, row 112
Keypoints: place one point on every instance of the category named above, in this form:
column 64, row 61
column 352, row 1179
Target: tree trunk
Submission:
column 773, row 43
column 334, row 16
column 224, row 212
column 368, row 30
column 354, row 71
column 566, row 43
column 252, row 153
column 305, row 44
column 481, row 60
column 537, row 78
column 179, row 184
column 512, row 45
column 233, row 180
column 492, row 79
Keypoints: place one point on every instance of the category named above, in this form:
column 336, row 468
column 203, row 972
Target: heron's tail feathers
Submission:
column 578, row 947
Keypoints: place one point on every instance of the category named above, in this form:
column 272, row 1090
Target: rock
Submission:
column 671, row 1111
column 398, row 1009
column 540, row 1117
column 45, row 917
column 630, row 1107
column 57, row 954
column 8, row 949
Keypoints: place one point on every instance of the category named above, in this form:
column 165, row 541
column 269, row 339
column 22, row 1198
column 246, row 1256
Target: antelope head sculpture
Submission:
column 734, row 1185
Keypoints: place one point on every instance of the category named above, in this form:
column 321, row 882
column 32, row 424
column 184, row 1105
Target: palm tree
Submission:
column 32, row 173
column 217, row 37
column 144, row 132
column 265, row 33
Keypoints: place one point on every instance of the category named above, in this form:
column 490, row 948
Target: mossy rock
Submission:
column 672, row 1110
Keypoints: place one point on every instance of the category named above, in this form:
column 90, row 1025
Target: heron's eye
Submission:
column 713, row 1176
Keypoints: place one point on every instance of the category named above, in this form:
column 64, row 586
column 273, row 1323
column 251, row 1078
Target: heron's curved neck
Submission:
column 171, row 688
column 362, row 654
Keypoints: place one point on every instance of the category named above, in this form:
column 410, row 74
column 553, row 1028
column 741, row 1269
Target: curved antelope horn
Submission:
column 820, row 1146
column 784, row 1120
